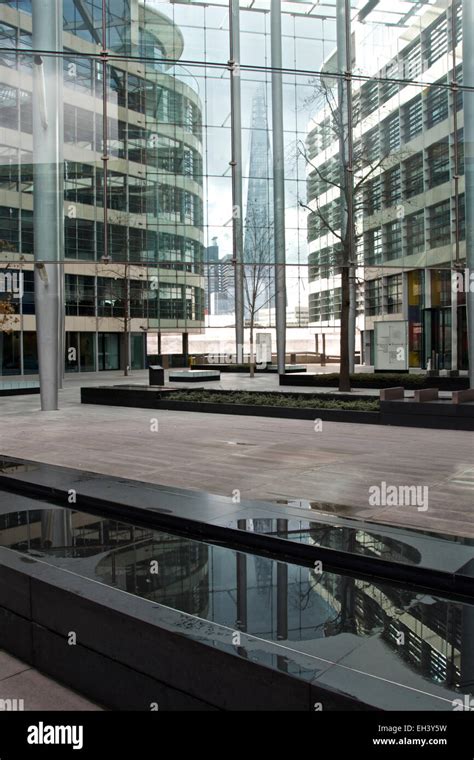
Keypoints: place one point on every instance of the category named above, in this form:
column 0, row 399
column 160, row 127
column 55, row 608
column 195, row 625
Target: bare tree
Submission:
column 120, row 292
column 364, row 162
column 257, row 273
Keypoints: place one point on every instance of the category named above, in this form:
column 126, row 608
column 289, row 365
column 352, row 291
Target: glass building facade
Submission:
column 186, row 131
column 137, row 170
column 409, row 197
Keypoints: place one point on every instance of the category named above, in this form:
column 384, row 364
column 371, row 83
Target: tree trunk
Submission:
column 127, row 351
column 252, row 366
column 126, row 324
column 344, row 377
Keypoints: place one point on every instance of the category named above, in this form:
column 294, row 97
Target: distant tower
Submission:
column 258, row 229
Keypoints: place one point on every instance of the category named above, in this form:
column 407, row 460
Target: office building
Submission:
column 410, row 229
column 150, row 277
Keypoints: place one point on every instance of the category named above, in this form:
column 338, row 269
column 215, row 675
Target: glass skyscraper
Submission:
column 146, row 273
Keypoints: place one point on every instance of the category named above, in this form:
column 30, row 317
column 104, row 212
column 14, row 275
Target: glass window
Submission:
column 392, row 186
column 413, row 169
column 438, row 163
column 412, row 118
column 391, row 86
column 30, row 353
column 373, row 195
column 411, row 64
column 373, row 246
column 136, row 94
column 436, row 105
column 110, row 296
column 27, row 231
column 391, row 133
column 393, row 240
column 373, row 297
column 369, row 98
column 462, row 216
column 80, row 295
column 9, row 107
column 8, row 45
column 87, row 351
column 415, row 232
column 28, row 301
column 436, row 40
column 9, row 229
column 325, row 306
column 10, row 347
column 109, row 351
column 394, row 294
column 440, row 224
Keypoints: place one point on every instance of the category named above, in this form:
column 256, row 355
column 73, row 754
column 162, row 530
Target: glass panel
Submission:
column 210, row 583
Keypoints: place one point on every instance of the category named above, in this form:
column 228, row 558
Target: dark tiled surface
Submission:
column 330, row 630
column 32, row 689
column 200, row 511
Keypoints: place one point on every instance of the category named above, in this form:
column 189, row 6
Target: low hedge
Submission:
column 383, row 380
column 255, row 398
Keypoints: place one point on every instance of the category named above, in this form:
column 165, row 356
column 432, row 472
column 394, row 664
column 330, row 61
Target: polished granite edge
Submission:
column 108, row 622
column 213, row 507
column 214, row 518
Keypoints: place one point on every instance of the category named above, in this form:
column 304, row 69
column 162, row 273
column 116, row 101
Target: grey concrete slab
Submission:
column 39, row 692
column 251, row 457
column 18, row 681
column 10, row 666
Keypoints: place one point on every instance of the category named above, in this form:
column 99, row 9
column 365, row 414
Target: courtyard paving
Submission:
column 265, row 459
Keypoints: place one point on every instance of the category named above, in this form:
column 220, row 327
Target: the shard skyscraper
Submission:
column 259, row 268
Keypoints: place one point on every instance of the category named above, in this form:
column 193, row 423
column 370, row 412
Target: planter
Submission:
column 441, row 415
column 409, row 382
column 25, row 391
column 149, row 398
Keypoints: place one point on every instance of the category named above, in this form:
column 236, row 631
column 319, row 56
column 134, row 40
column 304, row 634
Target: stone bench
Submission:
column 392, row 394
column 460, row 397
column 427, row 394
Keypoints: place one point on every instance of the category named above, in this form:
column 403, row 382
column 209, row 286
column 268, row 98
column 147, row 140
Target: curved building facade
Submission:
column 134, row 241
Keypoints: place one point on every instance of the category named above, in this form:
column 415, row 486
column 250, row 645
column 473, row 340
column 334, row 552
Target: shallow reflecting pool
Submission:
column 396, row 648
column 394, row 544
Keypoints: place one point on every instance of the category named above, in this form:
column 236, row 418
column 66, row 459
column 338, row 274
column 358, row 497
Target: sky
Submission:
column 306, row 43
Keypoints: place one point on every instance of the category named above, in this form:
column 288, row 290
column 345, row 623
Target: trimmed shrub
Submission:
column 289, row 400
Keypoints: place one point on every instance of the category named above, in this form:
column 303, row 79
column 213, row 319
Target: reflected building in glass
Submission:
column 259, row 283
column 150, row 277
column 409, row 175
column 368, row 626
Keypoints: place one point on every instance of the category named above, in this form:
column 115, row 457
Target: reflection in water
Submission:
column 373, row 627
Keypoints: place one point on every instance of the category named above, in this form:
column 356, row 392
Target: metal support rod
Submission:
column 242, row 611
column 105, row 131
column 48, row 195
column 278, row 184
column 466, row 683
column 468, row 82
column 236, row 164
column 344, row 67
column 456, row 178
